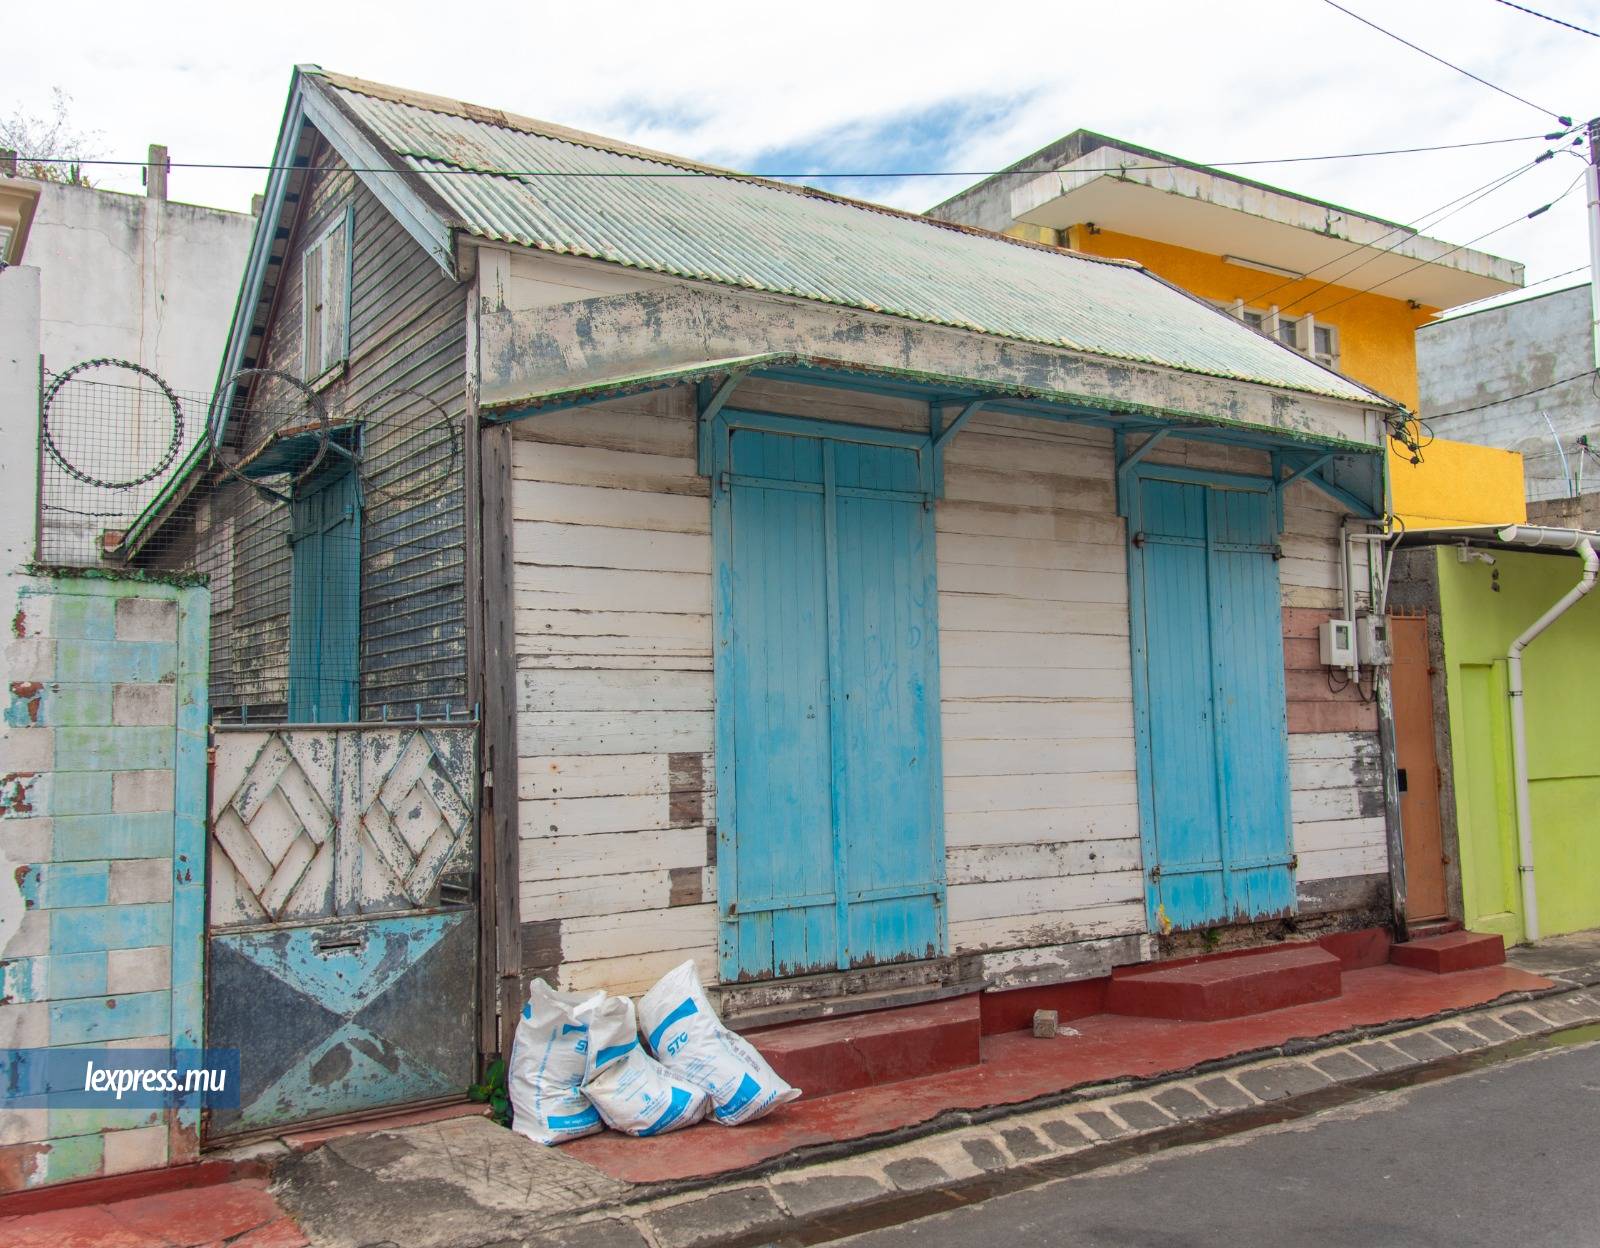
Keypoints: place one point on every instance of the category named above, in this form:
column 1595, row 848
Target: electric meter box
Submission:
column 1372, row 641
column 1338, row 639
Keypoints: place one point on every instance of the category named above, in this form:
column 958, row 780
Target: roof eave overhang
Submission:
column 1287, row 234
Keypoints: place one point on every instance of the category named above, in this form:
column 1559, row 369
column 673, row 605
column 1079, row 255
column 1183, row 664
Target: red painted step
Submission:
column 1227, row 987
column 1454, row 951
column 863, row 1050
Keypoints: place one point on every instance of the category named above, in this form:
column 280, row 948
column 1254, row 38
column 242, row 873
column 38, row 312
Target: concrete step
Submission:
column 1226, row 986
column 864, row 1050
column 1433, row 927
column 1453, row 951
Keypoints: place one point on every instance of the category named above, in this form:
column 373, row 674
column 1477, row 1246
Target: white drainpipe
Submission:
column 1579, row 543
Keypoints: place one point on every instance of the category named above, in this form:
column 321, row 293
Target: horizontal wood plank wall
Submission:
column 613, row 633
column 613, row 599
column 1041, row 799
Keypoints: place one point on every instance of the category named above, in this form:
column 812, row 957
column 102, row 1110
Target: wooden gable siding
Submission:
column 407, row 332
column 612, row 597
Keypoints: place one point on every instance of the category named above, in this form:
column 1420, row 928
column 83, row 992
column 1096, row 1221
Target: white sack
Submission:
column 633, row 1092
column 689, row 1039
column 549, row 1058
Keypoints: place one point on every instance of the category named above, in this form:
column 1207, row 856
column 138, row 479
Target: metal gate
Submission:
column 341, row 936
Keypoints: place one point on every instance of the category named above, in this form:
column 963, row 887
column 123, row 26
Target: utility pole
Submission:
column 1592, row 186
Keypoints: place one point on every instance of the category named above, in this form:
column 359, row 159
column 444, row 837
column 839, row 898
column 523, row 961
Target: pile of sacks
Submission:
column 577, row 1064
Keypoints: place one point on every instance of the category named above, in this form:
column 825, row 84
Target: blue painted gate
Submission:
column 831, row 844
column 1209, row 693
column 342, row 934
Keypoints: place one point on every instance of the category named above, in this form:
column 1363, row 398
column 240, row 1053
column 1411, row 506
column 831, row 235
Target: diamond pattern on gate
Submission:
column 417, row 817
column 276, row 834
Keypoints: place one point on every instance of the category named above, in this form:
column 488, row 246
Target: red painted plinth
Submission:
column 1454, row 951
column 1018, row 1068
column 1220, row 988
column 864, row 1050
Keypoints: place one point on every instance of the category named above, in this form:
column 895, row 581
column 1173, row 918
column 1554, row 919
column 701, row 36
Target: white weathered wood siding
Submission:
column 613, row 622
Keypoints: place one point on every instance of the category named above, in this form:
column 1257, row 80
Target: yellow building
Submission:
column 1346, row 288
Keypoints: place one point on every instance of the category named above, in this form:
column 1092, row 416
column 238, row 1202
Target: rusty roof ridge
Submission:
column 581, row 138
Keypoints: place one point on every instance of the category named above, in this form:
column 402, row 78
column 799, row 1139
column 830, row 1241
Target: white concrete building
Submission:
column 130, row 277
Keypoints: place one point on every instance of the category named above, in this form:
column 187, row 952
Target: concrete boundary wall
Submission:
column 102, row 837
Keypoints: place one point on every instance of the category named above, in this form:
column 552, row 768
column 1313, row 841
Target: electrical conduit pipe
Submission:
column 1579, row 544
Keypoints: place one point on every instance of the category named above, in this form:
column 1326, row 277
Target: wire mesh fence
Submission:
column 111, row 433
column 330, row 528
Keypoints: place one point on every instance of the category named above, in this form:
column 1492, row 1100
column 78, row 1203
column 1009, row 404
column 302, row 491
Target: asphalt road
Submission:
column 1508, row 1156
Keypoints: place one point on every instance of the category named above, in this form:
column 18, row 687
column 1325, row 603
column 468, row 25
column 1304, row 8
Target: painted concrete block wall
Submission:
column 1478, row 360
column 102, row 809
column 1482, row 610
column 613, row 619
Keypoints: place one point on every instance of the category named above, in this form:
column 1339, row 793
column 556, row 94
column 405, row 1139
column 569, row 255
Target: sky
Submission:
column 868, row 87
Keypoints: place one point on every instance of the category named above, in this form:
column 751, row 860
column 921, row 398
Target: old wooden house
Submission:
column 617, row 561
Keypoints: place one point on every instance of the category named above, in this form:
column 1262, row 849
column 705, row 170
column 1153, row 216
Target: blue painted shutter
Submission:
column 785, row 906
column 838, row 848
column 1251, row 714
column 1216, row 754
column 325, row 602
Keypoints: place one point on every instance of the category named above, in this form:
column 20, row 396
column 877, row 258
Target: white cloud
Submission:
column 735, row 82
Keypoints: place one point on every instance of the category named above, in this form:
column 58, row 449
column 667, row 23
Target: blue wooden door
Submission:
column 325, row 601
column 827, row 707
column 1208, row 656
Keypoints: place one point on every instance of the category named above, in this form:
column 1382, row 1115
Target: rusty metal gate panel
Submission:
column 342, row 938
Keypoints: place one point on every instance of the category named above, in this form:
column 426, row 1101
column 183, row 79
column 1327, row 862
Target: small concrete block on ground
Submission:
column 1525, row 1021
column 708, row 1219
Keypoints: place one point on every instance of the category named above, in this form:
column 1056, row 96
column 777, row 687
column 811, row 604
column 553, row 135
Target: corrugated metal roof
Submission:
column 689, row 221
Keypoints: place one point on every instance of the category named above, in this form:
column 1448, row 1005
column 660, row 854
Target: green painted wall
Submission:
column 1562, row 689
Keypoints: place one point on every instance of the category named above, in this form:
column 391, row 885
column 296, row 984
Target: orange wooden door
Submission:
column 1419, row 769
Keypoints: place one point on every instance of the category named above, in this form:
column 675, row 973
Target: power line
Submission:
column 1462, row 309
column 1478, row 407
column 1582, row 30
column 1470, row 242
column 1564, row 120
column 1408, row 231
column 710, row 173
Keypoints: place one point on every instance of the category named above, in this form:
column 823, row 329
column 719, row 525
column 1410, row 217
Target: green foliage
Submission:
column 492, row 1091
column 1212, row 937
